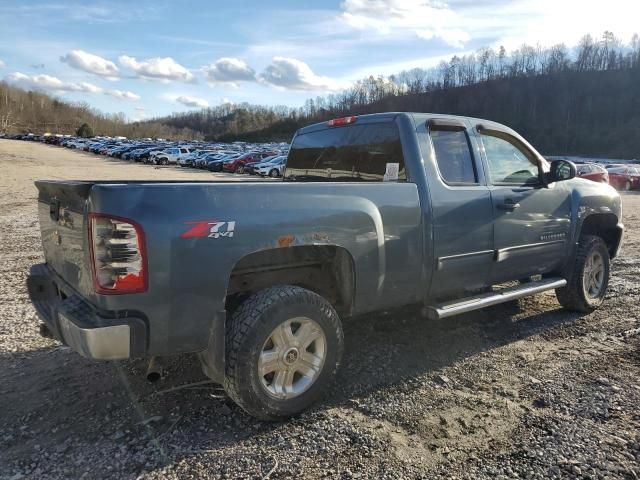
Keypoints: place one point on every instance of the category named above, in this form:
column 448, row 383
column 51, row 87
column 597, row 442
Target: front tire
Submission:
column 283, row 347
column 590, row 278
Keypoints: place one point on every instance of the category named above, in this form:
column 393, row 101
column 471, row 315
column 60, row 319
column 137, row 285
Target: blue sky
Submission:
column 149, row 58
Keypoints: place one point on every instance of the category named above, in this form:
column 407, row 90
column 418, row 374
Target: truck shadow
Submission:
column 53, row 400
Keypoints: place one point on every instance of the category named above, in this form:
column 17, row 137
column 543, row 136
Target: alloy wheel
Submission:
column 593, row 275
column 292, row 358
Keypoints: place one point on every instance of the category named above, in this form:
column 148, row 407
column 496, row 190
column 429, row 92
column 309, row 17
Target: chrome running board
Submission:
column 469, row 304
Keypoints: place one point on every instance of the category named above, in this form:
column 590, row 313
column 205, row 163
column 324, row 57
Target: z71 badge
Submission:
column 209, row 228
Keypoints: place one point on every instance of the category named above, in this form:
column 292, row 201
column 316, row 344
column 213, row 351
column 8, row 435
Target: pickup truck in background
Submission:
column 373, row 212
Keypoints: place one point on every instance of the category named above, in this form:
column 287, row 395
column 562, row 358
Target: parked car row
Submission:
column 266, row 160
column 625, row 177
column 622, row 176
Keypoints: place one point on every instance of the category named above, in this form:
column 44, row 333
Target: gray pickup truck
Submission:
column 373, row 212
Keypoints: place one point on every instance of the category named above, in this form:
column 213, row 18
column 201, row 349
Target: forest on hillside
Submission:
column 23, row 111
column 583, row 100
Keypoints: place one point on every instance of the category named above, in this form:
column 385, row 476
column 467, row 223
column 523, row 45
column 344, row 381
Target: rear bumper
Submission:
column 94, row 334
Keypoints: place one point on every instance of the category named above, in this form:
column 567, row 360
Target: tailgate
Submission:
column 62, row 210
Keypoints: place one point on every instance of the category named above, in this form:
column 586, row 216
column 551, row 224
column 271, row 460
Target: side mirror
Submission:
column 561, row 170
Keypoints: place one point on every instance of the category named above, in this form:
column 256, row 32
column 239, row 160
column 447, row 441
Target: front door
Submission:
column 531, row 220
column 461, row 209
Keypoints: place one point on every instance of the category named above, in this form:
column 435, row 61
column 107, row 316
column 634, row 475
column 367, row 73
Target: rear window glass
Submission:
column 453, row 155
column 370, row 152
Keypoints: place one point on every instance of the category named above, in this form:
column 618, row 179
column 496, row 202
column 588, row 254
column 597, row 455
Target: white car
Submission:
column 273, row 168
column 76, row 144
column 172, row 155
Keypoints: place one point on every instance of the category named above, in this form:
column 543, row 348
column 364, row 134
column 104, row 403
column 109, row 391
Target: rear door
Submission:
column 531, row 220
column 461, row 208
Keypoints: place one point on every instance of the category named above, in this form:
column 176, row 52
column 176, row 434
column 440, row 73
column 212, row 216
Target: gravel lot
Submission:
column 523, row 390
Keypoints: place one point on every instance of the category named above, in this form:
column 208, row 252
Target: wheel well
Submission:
column 605, row 226
column 326, row 270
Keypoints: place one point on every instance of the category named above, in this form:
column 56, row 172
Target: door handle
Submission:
column 509, row 205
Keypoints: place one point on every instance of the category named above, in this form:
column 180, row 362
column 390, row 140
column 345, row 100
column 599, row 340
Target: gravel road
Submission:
column 522, row 390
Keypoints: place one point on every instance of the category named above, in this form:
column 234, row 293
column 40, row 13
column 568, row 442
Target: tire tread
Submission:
column 245, row 318
column 571, row 297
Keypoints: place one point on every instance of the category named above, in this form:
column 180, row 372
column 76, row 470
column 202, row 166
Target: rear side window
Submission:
column 369, row 152
column 453, row 155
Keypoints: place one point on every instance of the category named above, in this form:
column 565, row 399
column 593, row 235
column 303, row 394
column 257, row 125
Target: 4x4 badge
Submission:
column 209, row 228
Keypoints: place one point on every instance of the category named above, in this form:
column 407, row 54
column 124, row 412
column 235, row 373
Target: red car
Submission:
column 593, row 172
column 625, row 178
column 236, row 165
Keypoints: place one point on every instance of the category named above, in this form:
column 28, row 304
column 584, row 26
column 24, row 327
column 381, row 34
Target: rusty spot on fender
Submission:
column 286, row 240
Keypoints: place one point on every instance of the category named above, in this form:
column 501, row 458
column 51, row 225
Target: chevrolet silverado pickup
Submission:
column 451, row 214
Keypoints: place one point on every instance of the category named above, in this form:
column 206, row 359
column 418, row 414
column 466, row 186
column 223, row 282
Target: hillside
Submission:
column 581, row 101
column 569, row 113
column 24, row 111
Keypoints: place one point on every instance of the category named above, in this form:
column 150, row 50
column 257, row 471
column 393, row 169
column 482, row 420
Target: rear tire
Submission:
column 627, row 186
column 590, row 278
column 274, row 173
column 271, row 370
column 240, row 169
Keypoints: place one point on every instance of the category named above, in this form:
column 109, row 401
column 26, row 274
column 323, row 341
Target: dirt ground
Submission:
column 522, row 390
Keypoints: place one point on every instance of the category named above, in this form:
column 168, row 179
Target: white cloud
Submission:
column 509, row 23
column 454, row 36
column 427, row 19
column 83, row 87
column 549, row 21
column 229, row 70
column 91, row 63
column 158, row 68
column 48, row 83
column 189, row 101
column 292, row 74
column 123, row 95
column 1, row 64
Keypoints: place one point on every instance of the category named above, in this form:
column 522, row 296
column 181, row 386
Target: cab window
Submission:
column 369, row 152
column 453, row 155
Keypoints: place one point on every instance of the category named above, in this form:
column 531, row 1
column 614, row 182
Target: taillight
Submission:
column 337, row 122
column 118, row 255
